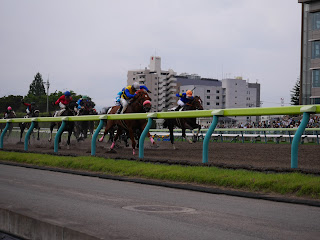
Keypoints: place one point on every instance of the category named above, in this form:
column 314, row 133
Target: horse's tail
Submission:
column 165, row 124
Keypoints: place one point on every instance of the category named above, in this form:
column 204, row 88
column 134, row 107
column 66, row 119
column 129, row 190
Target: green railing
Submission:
column 293, row 110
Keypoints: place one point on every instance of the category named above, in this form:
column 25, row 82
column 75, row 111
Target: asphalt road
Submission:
column 119, row 210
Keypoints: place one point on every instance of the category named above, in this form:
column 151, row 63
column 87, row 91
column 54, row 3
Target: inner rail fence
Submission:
column 304, row 110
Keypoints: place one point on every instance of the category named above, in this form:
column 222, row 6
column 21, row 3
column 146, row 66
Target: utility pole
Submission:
column 48, row 85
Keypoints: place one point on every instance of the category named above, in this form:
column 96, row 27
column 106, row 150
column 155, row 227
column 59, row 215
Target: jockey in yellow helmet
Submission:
column 128, row 93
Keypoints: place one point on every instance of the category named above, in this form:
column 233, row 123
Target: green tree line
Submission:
column 35, row 94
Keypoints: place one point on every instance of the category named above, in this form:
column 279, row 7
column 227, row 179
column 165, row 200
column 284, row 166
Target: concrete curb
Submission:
column 191, row 187
column 30, row 228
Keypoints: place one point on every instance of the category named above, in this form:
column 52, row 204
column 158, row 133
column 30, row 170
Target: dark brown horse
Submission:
column 24, row 125
column 185, row 123
column 69, row 125
column 140, row 103
column 82, row 127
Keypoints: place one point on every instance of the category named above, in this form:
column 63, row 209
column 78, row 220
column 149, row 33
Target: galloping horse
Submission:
column 10, row 115
column 185, row 123
column 69, row 126
column 140, row 103
column 82, row 127
column 24, row 125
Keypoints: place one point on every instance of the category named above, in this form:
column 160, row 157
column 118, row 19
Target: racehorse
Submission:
column 185, row 123
column 24, row 125
column 140, row 103
column 82, row 127
column 69, row 126
column 10, row 115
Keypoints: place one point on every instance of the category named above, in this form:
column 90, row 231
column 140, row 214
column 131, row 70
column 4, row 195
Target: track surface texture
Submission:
column 253, row 156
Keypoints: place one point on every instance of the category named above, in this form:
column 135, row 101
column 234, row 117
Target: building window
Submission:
column 316, row 78
column 315, row 49
column 316, row 101
column 208, row 103
column 217, row 91
column 208, row 91
column 134, row 79
column 217, row 104
column 316, row 21
column 208, row 97
column 217, row 97
column 235, row 91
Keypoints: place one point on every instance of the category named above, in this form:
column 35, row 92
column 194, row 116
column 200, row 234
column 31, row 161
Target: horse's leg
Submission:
column 115, row 138
column 133, row 142
column 21, row 131
column 69, row 136
column 170, row 126
column 51, row 129
column 104, row 133
column 38, row 138
column 184, row 135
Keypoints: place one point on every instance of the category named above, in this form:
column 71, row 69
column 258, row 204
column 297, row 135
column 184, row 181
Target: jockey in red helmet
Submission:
column 63, row 101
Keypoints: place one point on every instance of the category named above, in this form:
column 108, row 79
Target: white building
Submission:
column 215, row 94
column 162, row 84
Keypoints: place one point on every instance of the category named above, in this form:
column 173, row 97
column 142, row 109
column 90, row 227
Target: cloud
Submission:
column 88, row 46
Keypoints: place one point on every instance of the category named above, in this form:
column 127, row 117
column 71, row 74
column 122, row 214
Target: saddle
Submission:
column 59, row 112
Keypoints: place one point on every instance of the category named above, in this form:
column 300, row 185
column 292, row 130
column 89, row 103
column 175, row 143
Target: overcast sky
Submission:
column 88, row 46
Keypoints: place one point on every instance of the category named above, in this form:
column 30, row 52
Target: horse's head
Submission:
column 70, row 109
column 142, row 100
column 86, row 108
column 195, row 104
column 35, row 113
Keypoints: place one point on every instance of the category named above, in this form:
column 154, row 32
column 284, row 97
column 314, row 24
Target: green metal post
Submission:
column 27, row 137
column 205, row 147
column 56, row 139
column 144, row 134
column 94, row 138
column 296, row 139
column 4, row 133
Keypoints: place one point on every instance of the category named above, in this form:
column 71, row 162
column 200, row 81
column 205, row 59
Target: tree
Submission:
column 37, row 86
column 295, row 93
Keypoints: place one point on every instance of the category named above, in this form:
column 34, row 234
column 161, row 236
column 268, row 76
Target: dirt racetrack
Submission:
column 255, row 156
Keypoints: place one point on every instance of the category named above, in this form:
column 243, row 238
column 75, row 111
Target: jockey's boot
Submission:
column 178, row 108
column 119, row 110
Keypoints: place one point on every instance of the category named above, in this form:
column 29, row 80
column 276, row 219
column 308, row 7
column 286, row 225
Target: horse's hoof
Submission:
column 111, row 151
column 49, row 140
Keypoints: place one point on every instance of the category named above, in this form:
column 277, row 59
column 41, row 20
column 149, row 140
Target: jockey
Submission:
column 184, row 98
column 30, row 107
column 127, row 94
column 81, row 102
column 63, row 101
column 8, row 111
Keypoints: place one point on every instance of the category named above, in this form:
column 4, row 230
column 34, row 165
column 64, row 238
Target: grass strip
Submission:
column 297, row 184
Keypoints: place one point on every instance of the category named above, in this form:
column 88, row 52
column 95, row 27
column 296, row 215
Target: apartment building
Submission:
column 215, row 94
column 162, row 84
column 310, row 52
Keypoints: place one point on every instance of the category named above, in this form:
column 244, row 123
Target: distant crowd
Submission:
column 285, row 122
